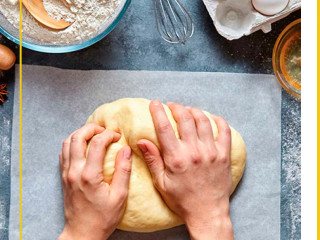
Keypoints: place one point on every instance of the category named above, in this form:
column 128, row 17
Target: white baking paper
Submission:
column 56, row 102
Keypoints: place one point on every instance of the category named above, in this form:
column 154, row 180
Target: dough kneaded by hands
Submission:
column 145, row 210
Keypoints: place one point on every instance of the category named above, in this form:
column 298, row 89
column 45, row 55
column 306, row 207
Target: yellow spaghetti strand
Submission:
column 318, row 116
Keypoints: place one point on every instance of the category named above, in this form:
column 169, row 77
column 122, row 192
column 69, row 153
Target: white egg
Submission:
column 13, row 2
column 270, row 7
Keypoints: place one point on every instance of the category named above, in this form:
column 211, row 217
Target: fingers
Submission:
column 120, row 181
column 185, row 122
column 78, row 143
column 224, row 133
column 204, row 128
column 60, row 162
column 66, row 152
column 65, row 157
column 164, row 130
column 153, row 159
column 93, row 170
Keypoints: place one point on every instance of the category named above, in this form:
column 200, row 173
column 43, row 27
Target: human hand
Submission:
column 193, row 173
column 92, row 207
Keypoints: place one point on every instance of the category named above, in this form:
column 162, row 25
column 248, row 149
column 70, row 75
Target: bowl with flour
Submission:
column 91, row 21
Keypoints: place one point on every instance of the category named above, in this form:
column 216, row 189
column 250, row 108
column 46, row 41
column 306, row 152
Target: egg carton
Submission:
column 236, row 18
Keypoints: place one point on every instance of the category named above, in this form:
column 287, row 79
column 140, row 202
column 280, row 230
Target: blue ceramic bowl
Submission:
column 12, row 33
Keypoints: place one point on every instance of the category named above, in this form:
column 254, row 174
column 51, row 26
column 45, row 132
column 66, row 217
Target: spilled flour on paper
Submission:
column 87, row 17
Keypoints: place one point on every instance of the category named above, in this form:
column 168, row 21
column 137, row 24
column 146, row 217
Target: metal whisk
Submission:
column 174, row 23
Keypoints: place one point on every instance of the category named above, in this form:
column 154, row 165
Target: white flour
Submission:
column 87, row 17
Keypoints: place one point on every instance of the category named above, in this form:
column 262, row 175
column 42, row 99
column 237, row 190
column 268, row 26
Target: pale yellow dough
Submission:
column 145, row 210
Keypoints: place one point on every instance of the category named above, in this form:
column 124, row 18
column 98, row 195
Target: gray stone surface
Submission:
column 135, row 45
column 6, row 114
column 291, row 168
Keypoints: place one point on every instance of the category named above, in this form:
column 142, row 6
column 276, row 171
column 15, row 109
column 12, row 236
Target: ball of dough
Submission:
column 145, row 210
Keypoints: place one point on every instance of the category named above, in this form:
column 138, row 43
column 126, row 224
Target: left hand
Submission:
column 93, row 208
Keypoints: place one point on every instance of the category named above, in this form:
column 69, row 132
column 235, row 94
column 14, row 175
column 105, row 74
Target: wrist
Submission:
column 211, row 224
column 219, row 228
column 83, row 234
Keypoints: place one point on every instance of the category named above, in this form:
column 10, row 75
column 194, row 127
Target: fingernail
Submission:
column 127, row 153
column 142, row 147
column 156, row 102
column 188, row 107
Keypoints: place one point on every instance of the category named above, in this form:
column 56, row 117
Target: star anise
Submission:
column 2, row 91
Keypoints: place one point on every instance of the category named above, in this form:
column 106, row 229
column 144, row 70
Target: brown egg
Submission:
column 7, row 58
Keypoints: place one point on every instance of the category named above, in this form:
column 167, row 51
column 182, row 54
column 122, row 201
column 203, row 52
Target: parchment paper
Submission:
column 56, row 102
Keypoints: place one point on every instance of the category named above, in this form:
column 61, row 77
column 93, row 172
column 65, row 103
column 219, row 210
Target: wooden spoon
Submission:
column 37, row 10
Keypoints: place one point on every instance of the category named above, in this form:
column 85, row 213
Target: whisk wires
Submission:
column 173, row 21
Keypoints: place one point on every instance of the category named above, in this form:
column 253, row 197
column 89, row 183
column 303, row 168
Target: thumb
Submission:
column 122, row 172
column 153, row 159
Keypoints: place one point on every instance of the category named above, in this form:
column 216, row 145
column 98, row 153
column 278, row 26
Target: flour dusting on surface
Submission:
column 5, row 146
column 87, row 16
column 5, row 149
column 291, row 170
column 3, row 218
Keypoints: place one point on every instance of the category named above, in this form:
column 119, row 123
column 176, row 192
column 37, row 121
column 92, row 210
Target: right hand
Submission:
column 193, row 173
